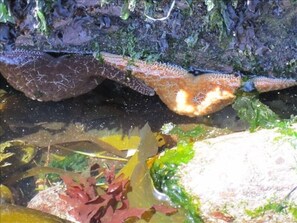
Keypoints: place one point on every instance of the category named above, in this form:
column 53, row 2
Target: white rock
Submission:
column 240, row 171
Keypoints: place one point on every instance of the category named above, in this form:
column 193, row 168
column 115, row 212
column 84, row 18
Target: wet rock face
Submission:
column 243, row 171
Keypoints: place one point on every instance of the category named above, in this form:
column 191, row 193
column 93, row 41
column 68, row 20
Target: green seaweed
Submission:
column 131, row 47
column 285, row 127
column 42, row 22
column 185, row 136
column 282, row 207
column 125, row 12
column 250, row 109
column 75, row 162
column 292, row 209
column 5, row 14
column 258, row 115
column 166, row 180
column 217, row 17
column 270, row 206
column 41, row 18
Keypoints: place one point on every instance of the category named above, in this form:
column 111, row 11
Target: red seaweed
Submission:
column 110, row 207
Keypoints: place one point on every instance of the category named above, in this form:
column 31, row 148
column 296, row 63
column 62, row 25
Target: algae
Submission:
column 74, row 162
column 163, row 173
column 184, row 135
column 5, row 14
column 282, row 207
column 258, row 115
column 250, row 109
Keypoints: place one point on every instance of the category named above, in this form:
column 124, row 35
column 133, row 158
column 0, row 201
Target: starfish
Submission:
column 191, row 95
column 44, row 77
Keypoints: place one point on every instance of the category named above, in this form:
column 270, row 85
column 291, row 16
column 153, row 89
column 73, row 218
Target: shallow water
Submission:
column 109, row 108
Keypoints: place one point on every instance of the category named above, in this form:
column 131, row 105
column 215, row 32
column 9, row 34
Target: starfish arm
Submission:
column 46, row 78
column 265, row 84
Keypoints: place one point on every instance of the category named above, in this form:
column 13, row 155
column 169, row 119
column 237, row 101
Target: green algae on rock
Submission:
column 163, row 173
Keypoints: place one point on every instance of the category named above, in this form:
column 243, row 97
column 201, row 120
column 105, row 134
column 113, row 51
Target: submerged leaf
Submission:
column 15, row 214
column 122, row 143
column 36, row 171
column 147, row 148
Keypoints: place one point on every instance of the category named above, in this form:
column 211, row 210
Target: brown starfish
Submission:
column 46, row 78
column 43, row 77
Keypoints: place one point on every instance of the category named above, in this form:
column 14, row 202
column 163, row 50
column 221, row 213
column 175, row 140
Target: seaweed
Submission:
column 285, row 127
column 41, row 17
column 183, row 135
column 5, row 14
column 250, row 109
column 110, row 206
column 270, row 206
column 282, row 207
column 219, row 18
column 132, row 47
column 74, row 162
column 163, row 173
column 258, row 115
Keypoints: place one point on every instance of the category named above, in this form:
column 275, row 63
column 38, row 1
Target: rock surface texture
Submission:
column 243, row 171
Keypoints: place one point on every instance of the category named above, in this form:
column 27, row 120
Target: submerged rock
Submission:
column 244, row 177
column 49, row 201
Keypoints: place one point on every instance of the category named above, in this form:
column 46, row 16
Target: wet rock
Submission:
column 49, row 201
column 243, row 171
column 75, row 33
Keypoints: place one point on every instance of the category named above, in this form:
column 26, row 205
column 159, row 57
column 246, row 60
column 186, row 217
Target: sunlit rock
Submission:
column 241, row 172
column 49, row 201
